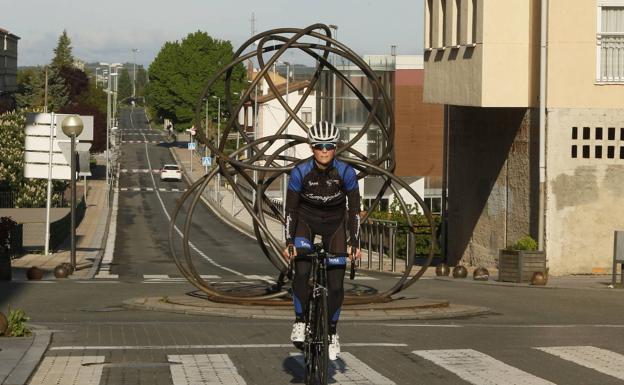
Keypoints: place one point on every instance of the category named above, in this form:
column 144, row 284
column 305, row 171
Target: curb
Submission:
column 98, row 259
column 433, row 313
column 30, row 360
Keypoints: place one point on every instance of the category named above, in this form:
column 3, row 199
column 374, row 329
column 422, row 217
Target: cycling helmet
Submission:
column 323, row 132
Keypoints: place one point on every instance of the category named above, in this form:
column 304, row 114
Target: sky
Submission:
column 107, row 31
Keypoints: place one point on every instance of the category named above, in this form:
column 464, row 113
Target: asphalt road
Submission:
column 533, row 336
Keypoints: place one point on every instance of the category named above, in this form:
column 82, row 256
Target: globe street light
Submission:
column 72, row 126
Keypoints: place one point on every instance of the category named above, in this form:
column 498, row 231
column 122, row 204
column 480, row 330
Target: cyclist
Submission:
column 323, row 199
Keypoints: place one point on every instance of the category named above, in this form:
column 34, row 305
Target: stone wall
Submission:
column 492, row 181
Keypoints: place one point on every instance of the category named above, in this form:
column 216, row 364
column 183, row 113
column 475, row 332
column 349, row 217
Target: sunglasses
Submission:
column 324, row 146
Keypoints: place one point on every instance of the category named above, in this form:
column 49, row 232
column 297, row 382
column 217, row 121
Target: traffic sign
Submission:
column 206, row 161
column 191, row 145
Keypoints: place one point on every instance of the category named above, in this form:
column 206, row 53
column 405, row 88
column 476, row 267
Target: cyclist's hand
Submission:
column 355, row 253
column 289, row 252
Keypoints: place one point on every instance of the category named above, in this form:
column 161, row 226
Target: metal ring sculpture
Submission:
column 275, row 43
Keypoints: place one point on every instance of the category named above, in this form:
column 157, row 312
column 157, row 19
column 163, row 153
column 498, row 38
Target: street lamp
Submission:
column 335, row 36
column 72, row 126
column 108, row 115
column 134, row 51
column 218, row 145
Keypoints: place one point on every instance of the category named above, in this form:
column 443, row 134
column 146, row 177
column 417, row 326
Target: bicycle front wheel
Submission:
column 322, row 333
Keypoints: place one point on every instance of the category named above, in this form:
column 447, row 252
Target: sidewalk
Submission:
column 89, row 236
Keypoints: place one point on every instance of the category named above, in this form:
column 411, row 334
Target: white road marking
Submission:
column 601, row 360
column 69, row 370
column 349, row 370
column 478, row 368
column 205, row 369
column 162, row 204
column 265, row 278
column 224, row 346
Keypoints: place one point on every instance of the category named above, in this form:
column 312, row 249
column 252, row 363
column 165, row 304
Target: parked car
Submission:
column 170, row 172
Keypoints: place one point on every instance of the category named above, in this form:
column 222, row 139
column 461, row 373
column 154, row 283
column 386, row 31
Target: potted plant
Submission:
column 519, row 261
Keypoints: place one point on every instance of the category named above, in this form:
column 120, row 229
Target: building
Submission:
column 418, row 126
column 8, row 68
column 482, row 61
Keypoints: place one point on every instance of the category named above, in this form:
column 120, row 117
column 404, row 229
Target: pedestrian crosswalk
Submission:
column 138, row 170
column 152, row 189
column 143, row 141
column 228, row 365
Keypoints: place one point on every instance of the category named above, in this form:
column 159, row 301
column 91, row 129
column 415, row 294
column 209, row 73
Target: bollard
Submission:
column 392, row 237
column 380, row 235
column 370, row 246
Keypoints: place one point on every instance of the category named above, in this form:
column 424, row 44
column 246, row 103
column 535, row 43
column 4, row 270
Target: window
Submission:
column 472, row 22
column 442, row 23
column 429, row 24
column 610, row 41
column 306, row 115
column 434, row 204
column 456, row 23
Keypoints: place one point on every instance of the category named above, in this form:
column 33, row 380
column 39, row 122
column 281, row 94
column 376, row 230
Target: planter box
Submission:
column 519, row 266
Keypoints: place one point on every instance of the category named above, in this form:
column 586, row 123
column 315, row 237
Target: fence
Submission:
column 394, row 240
column 11, row 199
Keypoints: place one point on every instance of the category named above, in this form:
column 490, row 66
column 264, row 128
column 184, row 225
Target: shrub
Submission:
column 17, row 323
column 525, row 243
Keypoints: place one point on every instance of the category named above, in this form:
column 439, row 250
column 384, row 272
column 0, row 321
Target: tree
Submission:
column 30, row 192
column 30, row 88
column 76, row 81
column 180, row 71
column 58, row 92
column 124, row 87
column 63, row 52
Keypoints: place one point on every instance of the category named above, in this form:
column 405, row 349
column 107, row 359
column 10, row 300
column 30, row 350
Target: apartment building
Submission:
column 8, row 61
column 483, row 62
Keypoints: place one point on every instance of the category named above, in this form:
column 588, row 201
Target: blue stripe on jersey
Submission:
column 347, row 173
column 295, row 182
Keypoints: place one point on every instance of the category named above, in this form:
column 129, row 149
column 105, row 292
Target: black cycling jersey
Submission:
column 322, row 196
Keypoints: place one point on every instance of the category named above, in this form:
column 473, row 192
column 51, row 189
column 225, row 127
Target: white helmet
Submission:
column 323, row 132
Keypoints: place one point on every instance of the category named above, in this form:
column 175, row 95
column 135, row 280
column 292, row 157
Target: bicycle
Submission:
column 316, row 342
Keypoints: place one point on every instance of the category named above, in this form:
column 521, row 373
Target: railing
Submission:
column 389, row 239
column 611, row 59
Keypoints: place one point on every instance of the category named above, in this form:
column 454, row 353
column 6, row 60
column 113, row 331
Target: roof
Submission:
column 281, row 89
column 6, row 32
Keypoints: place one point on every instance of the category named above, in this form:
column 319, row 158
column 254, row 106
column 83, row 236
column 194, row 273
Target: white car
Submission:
column 171, row 172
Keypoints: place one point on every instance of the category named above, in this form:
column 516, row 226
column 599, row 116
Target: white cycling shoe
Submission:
column 334, row 347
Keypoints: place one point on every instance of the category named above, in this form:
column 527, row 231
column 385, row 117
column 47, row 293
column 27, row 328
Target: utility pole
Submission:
column 134, row 52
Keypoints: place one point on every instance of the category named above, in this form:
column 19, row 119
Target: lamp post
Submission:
column 72, row 126
column 206, row 132
column 108, row 116
column 285, row 179
column 134, row 51
column 218, row 144
column 335, row 28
